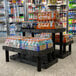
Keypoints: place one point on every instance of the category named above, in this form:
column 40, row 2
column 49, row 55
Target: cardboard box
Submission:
column 50, row 45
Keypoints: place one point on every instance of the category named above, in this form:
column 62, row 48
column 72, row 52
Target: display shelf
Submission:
column 33, row 61
column 44, row 30
column 44, row 58
column 67, row 43
column 62, row 56
column 33, row 12
column 16, row 22
column 56, row 5
column 64, row 53
column 63, row 12
column 71, row 17
column 22, row 22
column 2, row 31
column 24, row 51
column 11, row 6
column 38, row 56
column 2, row 15
column 3, row 23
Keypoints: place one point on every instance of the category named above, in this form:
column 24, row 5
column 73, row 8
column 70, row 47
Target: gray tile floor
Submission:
column 65, row 67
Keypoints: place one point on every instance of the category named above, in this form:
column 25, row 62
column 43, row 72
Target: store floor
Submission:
column 65, row 67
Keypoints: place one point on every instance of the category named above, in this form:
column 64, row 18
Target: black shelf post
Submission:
column 38, row 64
column 61, row 43
column 32, row 34
column 64, row 48
column 7, row 55
column 23, row 33
column 70, row 48
column 53, row 38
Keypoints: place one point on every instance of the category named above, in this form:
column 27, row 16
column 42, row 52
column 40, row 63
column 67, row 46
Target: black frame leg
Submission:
column 38, row 64
column 70, row 48
column 23, row 33
column 19, row 54
column 64, row 48
column 53, row 38
column 61, row 43
column 32, row 34
column 48, row 56
column 7, row 55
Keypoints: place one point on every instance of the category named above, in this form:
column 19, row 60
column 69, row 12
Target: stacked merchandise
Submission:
column 48, row 20
column 72, row 16
column 66, row 38
column 29, row 43
column 43, row 17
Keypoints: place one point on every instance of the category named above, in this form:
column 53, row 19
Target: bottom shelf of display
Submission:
column 63, row 52
column 67, row 43
column 33, row 60
column 62, row 56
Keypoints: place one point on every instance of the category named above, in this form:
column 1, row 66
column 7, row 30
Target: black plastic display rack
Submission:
column 64, row 53
column 53, row 31
column 40, row 59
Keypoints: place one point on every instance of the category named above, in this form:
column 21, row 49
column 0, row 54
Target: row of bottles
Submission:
column 20, row 18
column 46, row 25
column 16, row 13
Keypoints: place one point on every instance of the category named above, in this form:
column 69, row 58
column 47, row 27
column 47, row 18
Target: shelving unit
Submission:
column 65, row 53
column 32, row 57
column 15, row 15
column 71, row 17
column 2, row 21
column 44, row 58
